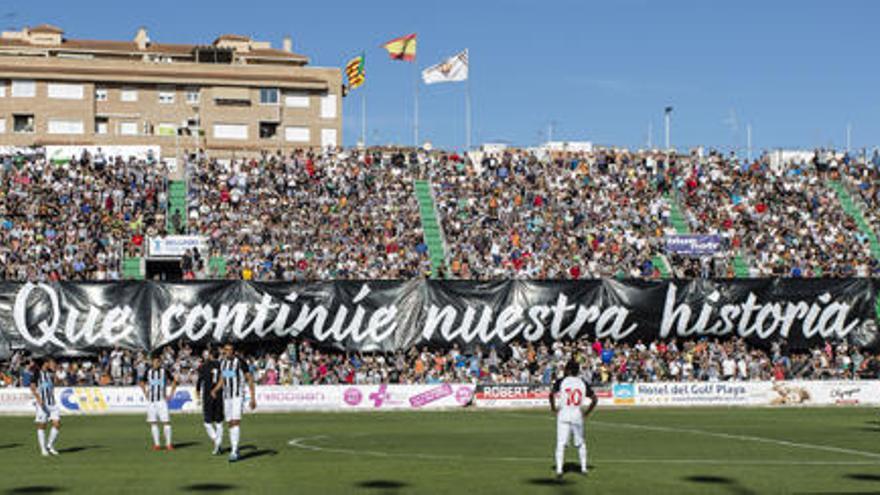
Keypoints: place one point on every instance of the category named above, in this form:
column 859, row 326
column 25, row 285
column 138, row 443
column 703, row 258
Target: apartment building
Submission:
column 233, row 95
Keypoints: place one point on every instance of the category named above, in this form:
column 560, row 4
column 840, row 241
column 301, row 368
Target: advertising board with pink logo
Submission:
column 380, row 397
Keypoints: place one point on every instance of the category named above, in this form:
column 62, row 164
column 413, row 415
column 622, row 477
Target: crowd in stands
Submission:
column 517, row 216
column 783, row 218
column 302, row 363
column 866, row 181
column 75, row 221
column 310, row 216
column 514, row 214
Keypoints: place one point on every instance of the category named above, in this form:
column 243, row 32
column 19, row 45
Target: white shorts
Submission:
column 48, row 413
column 157, row 411
column 232, row 409
column 566, row 429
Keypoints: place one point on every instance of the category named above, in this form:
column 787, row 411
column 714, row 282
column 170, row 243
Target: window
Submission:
column 65, row 126
column 65, row 91
column 148, row 129
column 128, row 94
column 268, row 96
column 2, row 89
column 192, row 96
column 100, row 94
column 102, row 125
column 23, row 88
column 166, row 95
column 2, row 125
column 328, row 107
column 230, row 131
column 193, row 127
column 268, row 130
column 297, row 134
column 166, row 129
column 23, row 124
column 128, row 128
column 328, row 138
column 296, row 100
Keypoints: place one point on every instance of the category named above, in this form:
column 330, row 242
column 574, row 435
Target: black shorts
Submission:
column 212, row 409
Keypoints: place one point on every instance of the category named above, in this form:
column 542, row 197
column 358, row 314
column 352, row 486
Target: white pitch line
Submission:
column 726, row 436
column 746, row 438
column 300, row 443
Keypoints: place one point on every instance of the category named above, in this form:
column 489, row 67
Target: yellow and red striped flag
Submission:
column 403, row 48
column 354, row 69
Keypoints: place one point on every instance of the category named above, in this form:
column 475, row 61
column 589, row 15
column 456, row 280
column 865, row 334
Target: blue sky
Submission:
column 798, row 71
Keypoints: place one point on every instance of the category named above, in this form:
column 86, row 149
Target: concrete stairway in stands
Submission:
column 176, row 202
column 131, row 269
column 217, row 266
column 430, row 226
column 853, row 208
column 676, row 217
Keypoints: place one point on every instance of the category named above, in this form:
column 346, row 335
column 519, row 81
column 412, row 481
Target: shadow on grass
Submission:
column 79, row 448
column 208, row 487
column 381, row 484
column 185, row 445
column 870, row 429
column 727, row 484
column 551, row 481
column 9, row 446
column 864, row 477
column 254, row 453
column 34, row 489
column 568, row 467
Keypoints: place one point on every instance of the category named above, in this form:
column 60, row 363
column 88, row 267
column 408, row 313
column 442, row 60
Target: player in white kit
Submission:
column 43, row 390
column 154, row 384
column 571, row 391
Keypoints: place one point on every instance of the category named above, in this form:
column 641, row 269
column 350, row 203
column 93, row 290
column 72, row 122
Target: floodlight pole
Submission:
column 667, row 118
column 749, row 142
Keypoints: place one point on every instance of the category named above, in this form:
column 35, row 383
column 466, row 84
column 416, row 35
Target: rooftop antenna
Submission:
column 848, row 136
column 749, row 141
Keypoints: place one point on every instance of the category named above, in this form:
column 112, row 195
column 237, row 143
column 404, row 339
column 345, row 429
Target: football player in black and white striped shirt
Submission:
column 43, row 389
column 234, row 373
column 155, row 383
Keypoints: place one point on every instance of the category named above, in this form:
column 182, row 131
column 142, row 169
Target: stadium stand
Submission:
column 391, row 213
column 302, row 363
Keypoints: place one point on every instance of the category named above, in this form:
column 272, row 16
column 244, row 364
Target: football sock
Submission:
column 53, row 434
column 209, row 429
column 168, row 435
column 218, row 440
column 233, row 438
column 154, row 429
column 582, row 453
column 41, row 437
column 560, row 457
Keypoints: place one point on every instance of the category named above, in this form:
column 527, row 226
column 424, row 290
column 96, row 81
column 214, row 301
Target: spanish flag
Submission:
column 403, row 48
column 354, row 69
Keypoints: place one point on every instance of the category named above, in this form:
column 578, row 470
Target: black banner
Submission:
column 68, row 318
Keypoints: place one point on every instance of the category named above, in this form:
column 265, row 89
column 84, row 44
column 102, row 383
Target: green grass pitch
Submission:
column 734, row 451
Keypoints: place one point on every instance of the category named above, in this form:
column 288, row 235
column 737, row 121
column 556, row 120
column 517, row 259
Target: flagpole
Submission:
column 416, row 105
column 363, row 107
column 467, row 111
column 364, row 118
